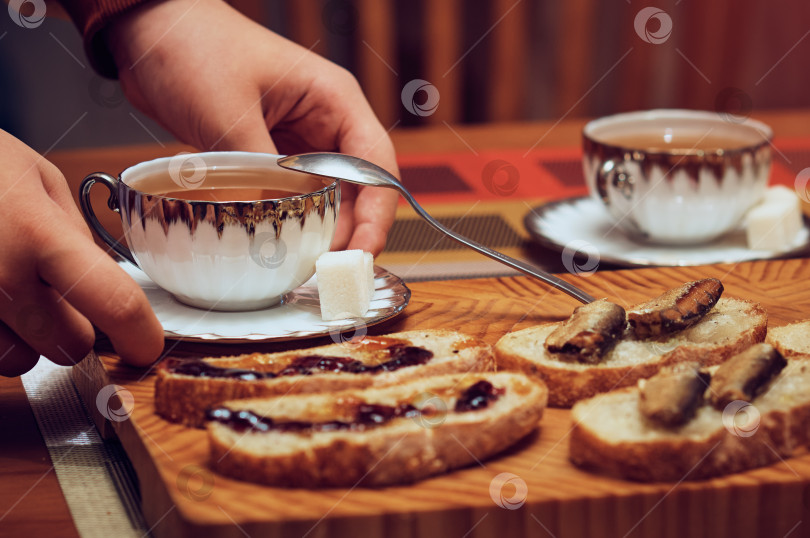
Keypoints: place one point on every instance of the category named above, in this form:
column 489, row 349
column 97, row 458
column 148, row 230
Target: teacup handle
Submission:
column 112, row 202
column 612, row 172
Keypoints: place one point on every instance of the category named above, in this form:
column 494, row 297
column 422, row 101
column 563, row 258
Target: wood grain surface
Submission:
column 181, row 497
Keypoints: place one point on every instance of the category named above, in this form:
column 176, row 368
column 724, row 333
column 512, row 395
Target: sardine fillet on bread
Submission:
column 183, row 394
column 318, row 440
column 728, row 328
column 610, row 434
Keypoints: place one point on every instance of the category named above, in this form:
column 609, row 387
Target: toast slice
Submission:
column 728, row 328
column 376, row 436
column 185, row 389
column 791, row 340
column 610, row 434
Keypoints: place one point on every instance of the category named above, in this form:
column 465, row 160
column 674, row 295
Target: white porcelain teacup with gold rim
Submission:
column 676, row 176
column 235, row 251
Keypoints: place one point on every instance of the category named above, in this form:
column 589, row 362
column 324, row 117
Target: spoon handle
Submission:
column 530, row 270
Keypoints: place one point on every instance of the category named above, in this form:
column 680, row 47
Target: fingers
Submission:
column 93, row 284
column 58, row 190
column 34, row 320
column 47, row 323
column 364, row 222
column 369, row 236
column 362, row 135
column 16, row 357
column 237, row 129
column 374, row 212
column 374, row 207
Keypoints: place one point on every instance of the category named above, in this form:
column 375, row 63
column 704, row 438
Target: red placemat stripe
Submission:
column 547, row 173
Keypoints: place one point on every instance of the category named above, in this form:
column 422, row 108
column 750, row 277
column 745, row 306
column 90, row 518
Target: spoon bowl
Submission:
column 362, row 172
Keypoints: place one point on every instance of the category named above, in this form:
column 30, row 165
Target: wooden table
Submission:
column 30, row 501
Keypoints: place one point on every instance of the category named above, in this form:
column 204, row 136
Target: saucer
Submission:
column 298, row 317
column 584, row 225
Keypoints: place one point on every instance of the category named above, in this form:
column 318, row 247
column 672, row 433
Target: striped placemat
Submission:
column 485, row 196
column 96, row 477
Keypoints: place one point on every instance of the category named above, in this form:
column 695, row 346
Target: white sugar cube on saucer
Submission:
column 345, row 283
column 775, row 222
column 368, row 259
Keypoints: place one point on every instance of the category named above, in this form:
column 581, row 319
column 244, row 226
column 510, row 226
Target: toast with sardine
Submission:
column 791, row 340
column 602, row 346
column 374, row 436
column 186, row 388
column 688, row 422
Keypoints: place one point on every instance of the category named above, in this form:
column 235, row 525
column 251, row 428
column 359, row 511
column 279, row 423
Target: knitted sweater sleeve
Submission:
column 91, row 17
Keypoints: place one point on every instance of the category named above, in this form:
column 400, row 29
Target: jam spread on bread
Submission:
column 370, row 343
column 367, row 415
column 399, row 356
column 478, row 396
column 200, row 368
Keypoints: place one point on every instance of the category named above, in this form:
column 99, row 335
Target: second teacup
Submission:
column 676, row 176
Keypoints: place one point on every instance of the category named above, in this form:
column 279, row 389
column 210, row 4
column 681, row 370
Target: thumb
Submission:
column 248, row 133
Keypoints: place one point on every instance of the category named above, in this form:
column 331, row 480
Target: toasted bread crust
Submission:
column 791, row 340
column 672, row 461
column 388, row 454
column 524, row 351
column 714, row 450
column 184, row 399
column 400, row 459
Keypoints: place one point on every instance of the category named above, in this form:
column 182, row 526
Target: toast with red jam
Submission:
column 374, row 436
column 603, row 347
column 186, row 388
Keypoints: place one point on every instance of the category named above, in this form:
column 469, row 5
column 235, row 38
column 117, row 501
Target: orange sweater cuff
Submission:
column 91, row 17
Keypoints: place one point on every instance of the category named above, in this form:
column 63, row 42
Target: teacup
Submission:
column 676, row 176
column 220, row 230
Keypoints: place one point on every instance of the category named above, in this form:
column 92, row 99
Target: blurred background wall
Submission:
column 425, row 62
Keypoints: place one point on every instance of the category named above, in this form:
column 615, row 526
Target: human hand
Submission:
column 219, row 81
column 54, row 280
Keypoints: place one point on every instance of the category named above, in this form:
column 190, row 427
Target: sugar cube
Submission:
column 343, row 284
column 368, row 258
column 775, row 222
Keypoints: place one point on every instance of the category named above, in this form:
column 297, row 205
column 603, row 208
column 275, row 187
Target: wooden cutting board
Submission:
column 181, row 497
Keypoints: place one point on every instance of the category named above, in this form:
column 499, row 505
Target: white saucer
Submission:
column 298, row 317
column 582, row 224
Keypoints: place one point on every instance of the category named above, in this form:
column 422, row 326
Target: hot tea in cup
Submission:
column 220, row 230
